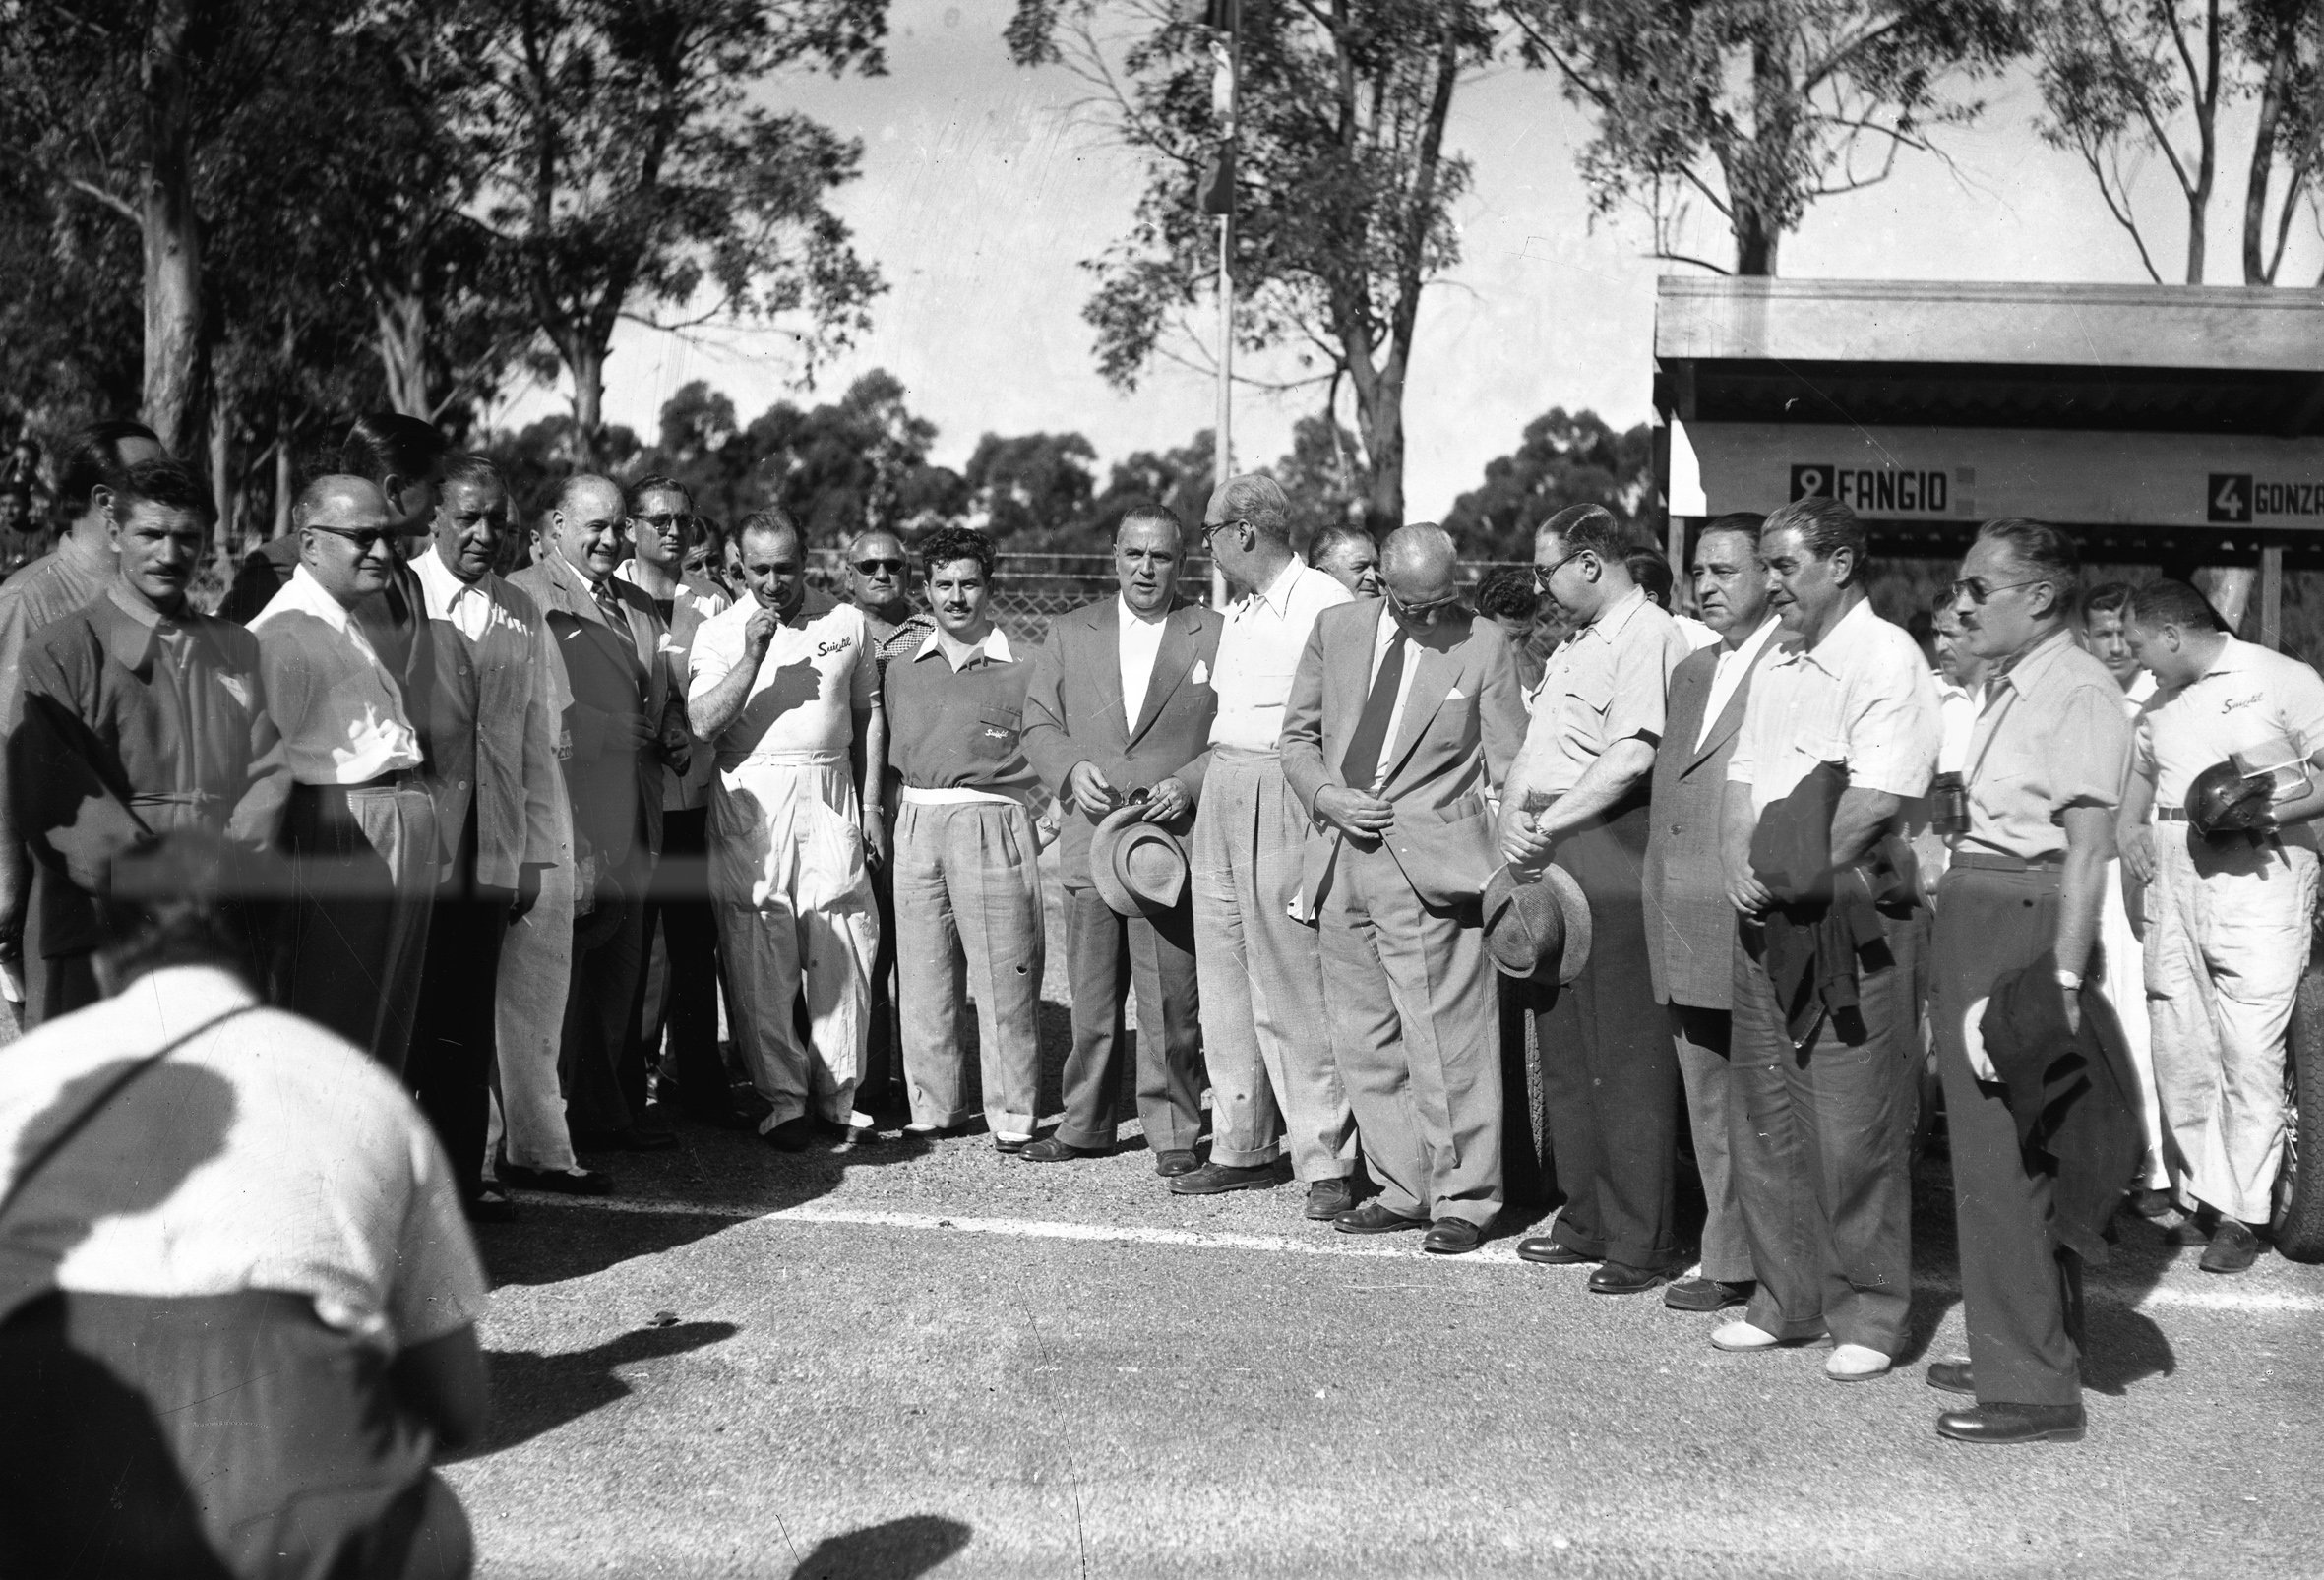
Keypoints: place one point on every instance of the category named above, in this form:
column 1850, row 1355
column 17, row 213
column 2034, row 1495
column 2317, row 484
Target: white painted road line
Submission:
column 1399, row 1248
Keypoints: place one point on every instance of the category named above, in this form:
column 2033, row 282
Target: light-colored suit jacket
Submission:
column 1464, row 720
column 1074, row 713
column 1689, row 920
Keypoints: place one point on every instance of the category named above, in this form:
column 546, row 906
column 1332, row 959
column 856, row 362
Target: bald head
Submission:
column 586, row 525
column 344, row 527
column 1420, row 566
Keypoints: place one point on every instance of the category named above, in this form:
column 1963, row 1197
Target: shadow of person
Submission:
column 2124, row 1344
column 90, row 1484
column 791, row 686
column 893, row 1549
column 533, row 1393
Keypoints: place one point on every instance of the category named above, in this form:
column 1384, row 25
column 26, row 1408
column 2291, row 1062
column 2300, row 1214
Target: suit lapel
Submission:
column 1105, row 665
column 1431, row 683
column 1171, row 662
column 1730, row 717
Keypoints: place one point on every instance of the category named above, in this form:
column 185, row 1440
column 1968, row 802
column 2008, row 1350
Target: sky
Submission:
column 985, row 187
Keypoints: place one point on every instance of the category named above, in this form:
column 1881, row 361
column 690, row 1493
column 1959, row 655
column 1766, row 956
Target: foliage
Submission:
column 626, row 169
column 1564, row 460
column 1344, row 194
column 1757, row 108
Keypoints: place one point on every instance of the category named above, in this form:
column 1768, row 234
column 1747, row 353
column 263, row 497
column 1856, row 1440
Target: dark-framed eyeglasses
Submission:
column 894, row 568
column 1211, row 530
column 1976, row 589
column 365, row 538
column 1420, row 614
column 1543, row 572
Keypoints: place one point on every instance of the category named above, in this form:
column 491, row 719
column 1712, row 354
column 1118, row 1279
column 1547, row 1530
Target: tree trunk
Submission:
column 283, row 478
column 1755, row 242
column 222, row 481
column 174, row 375
column 2206, row 105
column 402, row 345
column 1380, row 412
column 2284, row 18
column 586, row 364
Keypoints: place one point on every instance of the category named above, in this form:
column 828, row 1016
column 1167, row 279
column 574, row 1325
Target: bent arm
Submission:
column 1301, row 744
column 1857, row 823
column 1618, row 770
column 712, row 709
column 2090, row 845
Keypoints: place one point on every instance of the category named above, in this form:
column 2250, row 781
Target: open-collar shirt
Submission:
column 1258, row 653
column 341, row 712
column 1727, row 677
column 1863, row 697
column 2050, row 736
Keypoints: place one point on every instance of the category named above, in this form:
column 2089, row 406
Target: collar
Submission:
column 627, row 571
column 1751, row 645
column 1129, row 617
column 307, row 595
column 1276, row 595
column 1853, row 627
column 2032, row 662
column 178, row 998
column 128, row 628
column 992, row 649
column 96, row 557
column 1611, row 618
column 2234, row 656
column 441, row 587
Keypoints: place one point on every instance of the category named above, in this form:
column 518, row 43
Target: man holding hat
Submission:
column 2228, row 915
column 1403, row 719
column 2025, row 886
column 1117, row 711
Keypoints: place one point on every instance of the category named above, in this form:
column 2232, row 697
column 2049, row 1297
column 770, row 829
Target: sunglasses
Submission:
column 1976, row 589
column 1211, row 530
column 662, row 523
column 1421, row 614
column 894, row 568
column 365, row 539
column 1543, row 572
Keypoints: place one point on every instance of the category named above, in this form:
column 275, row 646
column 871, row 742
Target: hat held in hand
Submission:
column 2224, row 800
column 1140, row 867
column 1536, row 929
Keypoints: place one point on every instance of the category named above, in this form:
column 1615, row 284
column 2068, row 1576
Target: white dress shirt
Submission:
column 1379, row 654
column 341, row 712
column 1141, row 646
column 1734, row 664
column 1863, row 697
column 1258, row 652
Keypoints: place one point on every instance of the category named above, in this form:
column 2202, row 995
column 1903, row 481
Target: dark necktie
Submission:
column 611, row 606
column 1360, row 765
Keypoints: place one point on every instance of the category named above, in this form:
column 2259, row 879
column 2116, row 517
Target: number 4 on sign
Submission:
column 2231, row 497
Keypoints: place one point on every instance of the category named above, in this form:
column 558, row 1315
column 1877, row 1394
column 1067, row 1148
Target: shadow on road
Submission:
column 533, row 1393
column 894, row 1549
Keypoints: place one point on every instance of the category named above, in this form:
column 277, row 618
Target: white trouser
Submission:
column 535, row 963
column 794, row 905
column 2226, row 944
column 2122, row 978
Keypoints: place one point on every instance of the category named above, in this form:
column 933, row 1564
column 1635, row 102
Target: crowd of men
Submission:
column 537, row 805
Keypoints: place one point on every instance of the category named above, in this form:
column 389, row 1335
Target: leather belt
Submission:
column 1978, row 861
column 2171, row 815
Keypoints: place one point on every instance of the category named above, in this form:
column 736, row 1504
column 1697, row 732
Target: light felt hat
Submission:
column 1140, row 867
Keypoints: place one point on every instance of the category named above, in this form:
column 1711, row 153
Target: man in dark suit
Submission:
column 1120, row 703
column 1403, row 716
column 1689, row 920
column 627, row 720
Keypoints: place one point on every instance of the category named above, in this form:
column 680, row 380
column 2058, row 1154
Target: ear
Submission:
column 1844, row 567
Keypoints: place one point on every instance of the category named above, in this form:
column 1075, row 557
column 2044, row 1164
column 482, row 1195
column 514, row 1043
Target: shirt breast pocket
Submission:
column 1587, row 698
column 997, row 730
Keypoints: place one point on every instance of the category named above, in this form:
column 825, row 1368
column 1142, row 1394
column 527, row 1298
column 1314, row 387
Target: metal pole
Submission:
column 1223, row 446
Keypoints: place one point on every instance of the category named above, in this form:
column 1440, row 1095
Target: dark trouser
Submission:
column 1703, row 1039
column 1821, row 1139
column 1105, row 953
column 211, row 1435
column 881, row 1064
column 680, row 904
column 1526, row 1171
column 2020, row 1294
column 603, row 1071
column 1610, row 1077
column 450, row 1070
column 357, row 932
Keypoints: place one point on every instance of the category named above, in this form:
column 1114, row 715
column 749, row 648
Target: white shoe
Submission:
column 1856, row 1363
column 1741, row 1338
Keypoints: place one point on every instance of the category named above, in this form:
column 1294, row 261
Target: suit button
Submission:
column 1675, row 828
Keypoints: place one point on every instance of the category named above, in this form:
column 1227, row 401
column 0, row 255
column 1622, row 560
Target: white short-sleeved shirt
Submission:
column 1863, row 697
column 1258, row 652
column 341, row 712
column 2251, row 700
column 266, row 1153
column 818, row 672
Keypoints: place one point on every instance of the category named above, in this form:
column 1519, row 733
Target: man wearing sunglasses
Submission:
column 1578, row 797
column 1404, row 718
column 362, row 823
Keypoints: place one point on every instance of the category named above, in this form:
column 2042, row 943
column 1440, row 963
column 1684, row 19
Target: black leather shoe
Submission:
column 2150, row 1204
column 1953, row 1376
column 1453, row 1237
column 1048, row 1149
column 1616, row 1278
column 1542, row 1249
column 2014, row 1424
column 565, row 1182
column 2233, row 1248
column 792, row 1134
column 1174, row 1162
column 1373, row 1219
column 1216, row 1179
column 1705, row 1294
column 2190, row 1231
column 1328, row 1199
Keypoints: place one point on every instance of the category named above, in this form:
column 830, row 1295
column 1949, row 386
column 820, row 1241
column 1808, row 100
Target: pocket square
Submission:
column 1456, row 695
column 1201, row 674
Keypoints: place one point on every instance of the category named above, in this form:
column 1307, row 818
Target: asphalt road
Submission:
column 932, row 1360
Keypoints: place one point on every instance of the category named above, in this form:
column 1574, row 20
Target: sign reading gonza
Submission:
column 2240, row 499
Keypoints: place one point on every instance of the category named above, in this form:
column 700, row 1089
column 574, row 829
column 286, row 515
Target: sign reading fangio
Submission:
column 1872, row 491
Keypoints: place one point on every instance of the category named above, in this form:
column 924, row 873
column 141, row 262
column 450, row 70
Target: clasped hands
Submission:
column 1088, row 788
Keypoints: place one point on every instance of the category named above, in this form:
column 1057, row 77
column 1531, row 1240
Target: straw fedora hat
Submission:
column 1537, row 928
column 1138, row 868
